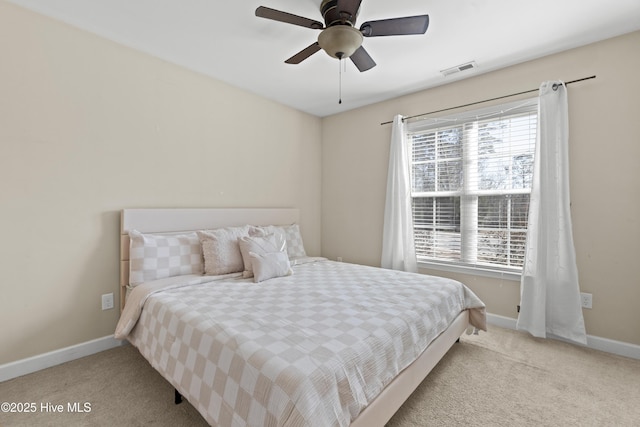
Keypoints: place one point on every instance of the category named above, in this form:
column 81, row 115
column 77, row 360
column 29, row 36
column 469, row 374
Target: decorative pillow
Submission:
column 221, row 250
column 269, row 265
column 291, row 234
column 259, row 245
column 154, row 256
column 295, row 247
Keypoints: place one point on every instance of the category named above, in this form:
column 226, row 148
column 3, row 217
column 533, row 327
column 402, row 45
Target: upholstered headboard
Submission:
column 176, row 220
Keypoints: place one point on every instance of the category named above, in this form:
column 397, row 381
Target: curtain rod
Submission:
column 486, row 100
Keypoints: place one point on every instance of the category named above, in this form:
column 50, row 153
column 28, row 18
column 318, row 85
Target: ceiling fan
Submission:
column 338, row 37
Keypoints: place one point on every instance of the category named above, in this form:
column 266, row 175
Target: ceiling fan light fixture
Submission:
column 338, row 36
column 340, row 41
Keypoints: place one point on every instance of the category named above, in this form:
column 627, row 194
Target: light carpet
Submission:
column 499, row 378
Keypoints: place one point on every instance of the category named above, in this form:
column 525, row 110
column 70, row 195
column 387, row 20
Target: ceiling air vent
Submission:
column 458, row 68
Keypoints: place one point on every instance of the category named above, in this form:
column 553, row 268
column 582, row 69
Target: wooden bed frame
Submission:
column 382, row 408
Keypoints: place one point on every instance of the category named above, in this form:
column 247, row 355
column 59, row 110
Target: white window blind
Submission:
column 471, row 178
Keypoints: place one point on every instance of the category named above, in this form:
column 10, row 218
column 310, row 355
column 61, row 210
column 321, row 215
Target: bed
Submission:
column 293, row 341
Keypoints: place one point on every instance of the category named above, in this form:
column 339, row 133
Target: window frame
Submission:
column 526, row 106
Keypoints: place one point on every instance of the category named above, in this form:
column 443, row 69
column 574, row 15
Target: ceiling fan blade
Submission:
column 277, row 15
column 303, row 54
column 396, row 26
column 362, row 60
column 349, row 7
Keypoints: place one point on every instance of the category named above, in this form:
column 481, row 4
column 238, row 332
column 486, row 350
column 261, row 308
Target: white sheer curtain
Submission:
column 550, row 294
column 398, row 250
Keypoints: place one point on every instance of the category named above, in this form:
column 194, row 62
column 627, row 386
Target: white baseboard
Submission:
column 502, row 321
column 597, row 343
column 57, row 357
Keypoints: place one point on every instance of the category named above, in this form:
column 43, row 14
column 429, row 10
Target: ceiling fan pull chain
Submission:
column 340, row 81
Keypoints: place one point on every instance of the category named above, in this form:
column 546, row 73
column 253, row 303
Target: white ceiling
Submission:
column 225, row 40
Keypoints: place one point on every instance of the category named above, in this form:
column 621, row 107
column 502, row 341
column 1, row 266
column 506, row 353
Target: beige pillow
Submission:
column 270, row 265
column 221, row 250
column 295, row 246
column 259, row 245
column 291, row 234
column 154, row 257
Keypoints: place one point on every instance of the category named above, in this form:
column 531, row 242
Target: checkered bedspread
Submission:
column 311, row 349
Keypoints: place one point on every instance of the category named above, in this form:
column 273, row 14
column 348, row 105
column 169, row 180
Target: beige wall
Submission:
column 605, row 177
column 87, row 128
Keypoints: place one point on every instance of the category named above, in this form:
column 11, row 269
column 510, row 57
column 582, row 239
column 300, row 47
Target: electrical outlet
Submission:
column 587, row 300
column 339, row 259
column 107, row 301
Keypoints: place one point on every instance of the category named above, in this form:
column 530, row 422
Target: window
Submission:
column 471, row 179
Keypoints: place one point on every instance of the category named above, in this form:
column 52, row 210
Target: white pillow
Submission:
column 221, row 250
column 291, row 234
column 153, row 256
column 259, row 245
column 269, row 265
column 295, row 247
